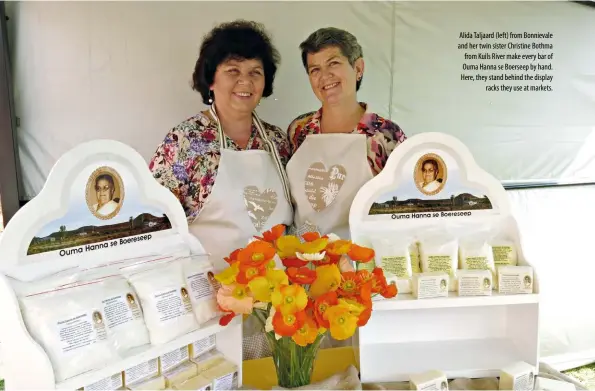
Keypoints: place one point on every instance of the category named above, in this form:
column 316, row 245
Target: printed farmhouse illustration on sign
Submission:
column 102, row 208
column 432, row 183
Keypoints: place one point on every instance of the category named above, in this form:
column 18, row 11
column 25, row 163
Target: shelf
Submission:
column 466, row 358
column 406, row 301
column 143, row 354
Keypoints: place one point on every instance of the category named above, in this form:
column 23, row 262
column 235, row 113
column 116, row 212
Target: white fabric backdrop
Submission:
column 121, row 70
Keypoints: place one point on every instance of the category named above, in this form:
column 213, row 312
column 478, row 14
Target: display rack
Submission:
column 62, row 228
column 472, row 336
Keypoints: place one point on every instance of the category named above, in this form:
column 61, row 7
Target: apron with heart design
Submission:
column 325, row 174
column 250, row 196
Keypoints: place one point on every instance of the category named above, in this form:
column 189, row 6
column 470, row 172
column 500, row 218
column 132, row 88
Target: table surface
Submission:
column 260, row 374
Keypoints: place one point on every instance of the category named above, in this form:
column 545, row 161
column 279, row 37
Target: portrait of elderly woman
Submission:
column 430, row 174
column 104, row 193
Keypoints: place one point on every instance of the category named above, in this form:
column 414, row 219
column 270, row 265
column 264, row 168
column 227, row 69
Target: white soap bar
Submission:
column 543, row 384
column 515, row 279
column 174, row 358
column 430, row 284
column 180, row 373
column 224, row 376
column 517, row 376
column 141, row 371
column 202, row 346
column 113, row 382
column 428, row 381
column 151, row 384
column 208, row 360
column 474, row 282
column 198, row 383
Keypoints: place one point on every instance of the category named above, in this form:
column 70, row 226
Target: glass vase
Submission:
column 293, row 363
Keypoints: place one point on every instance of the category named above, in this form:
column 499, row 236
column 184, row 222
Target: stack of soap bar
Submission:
column 208, row 360
column 198, row 383
column 430, row 284
column 515, row 279
column 474, row 282
column 543, row 384
column 224, row 376
column 517, row 376
column 427, row 381
column 141, row 372
column 180, row 373
column 151, row 384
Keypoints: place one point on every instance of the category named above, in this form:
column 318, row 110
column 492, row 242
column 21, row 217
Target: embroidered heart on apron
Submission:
column 259, row 205
column 322, row 185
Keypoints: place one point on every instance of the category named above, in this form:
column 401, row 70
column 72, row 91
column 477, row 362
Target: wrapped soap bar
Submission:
column 180, row 373
column 430, row 380
column 150, row 384
column 198, row 383
column 515, row 280
column 174, row 358
column 430, row 285
column 393, row 256
column 414, row 254
column 474, row 282
column 141, row 371
column 517, row 376
column 113, row 382
column 224, row 376
column 208, row 360
column 202, row 345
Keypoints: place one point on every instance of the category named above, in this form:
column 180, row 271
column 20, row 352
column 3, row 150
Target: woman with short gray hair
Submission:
column 343, row 138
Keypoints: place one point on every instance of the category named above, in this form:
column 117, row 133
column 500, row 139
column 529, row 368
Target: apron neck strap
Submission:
column 268, row 144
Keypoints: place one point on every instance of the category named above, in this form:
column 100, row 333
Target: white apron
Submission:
column 250, row 196
column 325, row 174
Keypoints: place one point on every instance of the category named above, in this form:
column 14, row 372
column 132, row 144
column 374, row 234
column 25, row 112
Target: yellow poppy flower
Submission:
column 342, row 322
column 263, row 287
column 289, row 299
column 228, row 276
column 287, row 246
column 328, row 278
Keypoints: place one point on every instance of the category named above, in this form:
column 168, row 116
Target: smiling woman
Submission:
column 225, row 165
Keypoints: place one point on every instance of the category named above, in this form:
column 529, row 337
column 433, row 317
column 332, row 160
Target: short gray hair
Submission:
column 332, row 36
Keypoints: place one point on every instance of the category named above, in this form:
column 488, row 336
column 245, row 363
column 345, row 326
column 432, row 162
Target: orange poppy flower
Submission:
column 321, row 304
column 311, row 236
column 306, row 334
column 257, row 254
column 365, row 298
column 361, row 254
column 293, row 262
column 350, row 284
column 225, row 319
column 248, row 273
column 233, row 257
column 390, row 291
column 287, row 325
column 273, row 234
column 301, row 275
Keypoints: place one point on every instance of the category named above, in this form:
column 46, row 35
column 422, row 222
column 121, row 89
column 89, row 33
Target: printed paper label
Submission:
column 203, row 345
column 200, row 287
column 113, row 382
column 173, row 358
column 81, row 331
column 474, row 286
column 121, row 309
column 440, row 263
column 395, row 266
column 226, row 382
column 172, row 303
column 502, row 255
column 476, row 263
column 142, row 371
column 432, row 287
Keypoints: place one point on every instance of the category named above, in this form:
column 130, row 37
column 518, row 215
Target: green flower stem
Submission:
column 294, row 363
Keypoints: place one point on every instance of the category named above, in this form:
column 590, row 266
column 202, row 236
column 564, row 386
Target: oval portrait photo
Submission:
column 104, row 193
column 430, row 174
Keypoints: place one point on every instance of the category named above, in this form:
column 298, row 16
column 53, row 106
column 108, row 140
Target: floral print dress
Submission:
column 187, row 160
column 382, row 134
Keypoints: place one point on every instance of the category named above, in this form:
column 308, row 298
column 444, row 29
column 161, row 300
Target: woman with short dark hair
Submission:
column 343, row 137
column 224, row 164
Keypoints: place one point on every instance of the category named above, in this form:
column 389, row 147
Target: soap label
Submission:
column 226, row 382
column 203, row 345
column 173, row 358
column 440, row 263
column 81, row 331
column 514, row 281
column 200, row 287
column 428, row 287
column 476, row 263
column 172, row 304
column 503, row 255
column 110, row 383
column 395, row 266
column 474, row 285
column 142, row 371
column 121, row 309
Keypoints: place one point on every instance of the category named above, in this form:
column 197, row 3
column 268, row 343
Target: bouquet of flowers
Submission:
column 321, row 287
